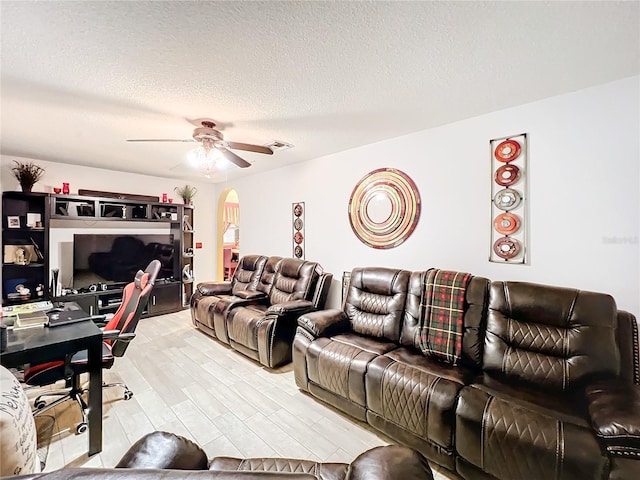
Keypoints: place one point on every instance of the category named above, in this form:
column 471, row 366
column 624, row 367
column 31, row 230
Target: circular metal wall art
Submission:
column 506, row 247
column 298, row 238
column 298, row 251
column 297, row 224
column 507, row 151
column 506, row 223
column 507, row 175
column 507, row 199
column 384, row 208
column 297, row 210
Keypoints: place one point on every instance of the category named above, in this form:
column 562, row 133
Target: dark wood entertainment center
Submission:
column 169, row 295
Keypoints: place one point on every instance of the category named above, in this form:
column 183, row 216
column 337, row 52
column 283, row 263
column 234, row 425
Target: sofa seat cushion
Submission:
column 204, row 309
column 338, row 364
column 567, row 407
column 511, row 438
column 243, row 323
column 416, row 393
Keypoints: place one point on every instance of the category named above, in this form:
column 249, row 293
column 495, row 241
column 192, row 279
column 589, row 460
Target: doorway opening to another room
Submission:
column 228, row 240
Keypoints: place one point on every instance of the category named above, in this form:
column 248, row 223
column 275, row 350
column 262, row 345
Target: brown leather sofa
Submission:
column 168, row 456
column 546, row 387
column 256, row 312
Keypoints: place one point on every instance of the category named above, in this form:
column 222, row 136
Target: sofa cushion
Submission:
column 248, row 272
column 549, row 337
column 339, row 364
column 294, row 280
column 375, row 301
column 242, row 324
column 512, row 439
column 265, row 283
column 405, row 388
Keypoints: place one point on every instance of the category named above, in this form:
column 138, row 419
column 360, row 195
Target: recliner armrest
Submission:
column 214, row 288
column 250, row 295
column 297, row 307
column 614, row 408
column 390, row 462
column 325, row 322
column 163, row 450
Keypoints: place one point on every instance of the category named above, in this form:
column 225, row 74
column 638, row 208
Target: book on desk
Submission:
column 51, row 318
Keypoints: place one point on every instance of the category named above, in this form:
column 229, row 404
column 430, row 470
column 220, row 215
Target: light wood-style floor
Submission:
column 188, row 383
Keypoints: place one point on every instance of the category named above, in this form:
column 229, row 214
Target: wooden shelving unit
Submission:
column 167, row 296
column 188, row 249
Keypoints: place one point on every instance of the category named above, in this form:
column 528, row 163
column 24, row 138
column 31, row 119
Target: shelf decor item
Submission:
column 27, row 174
column 297, row 209
column 384, row 208
column 13, row 221
column 508, row 160
column 187, row 193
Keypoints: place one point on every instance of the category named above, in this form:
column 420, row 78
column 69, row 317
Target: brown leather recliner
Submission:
column 169, row 456
column 546, row 351
column 258, row 310
column 547, row 385
column 208, row 294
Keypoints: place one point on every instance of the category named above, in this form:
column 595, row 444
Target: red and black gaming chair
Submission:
column 117, row 334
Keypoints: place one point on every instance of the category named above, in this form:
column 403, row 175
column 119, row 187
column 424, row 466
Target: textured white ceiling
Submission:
column 79, row 78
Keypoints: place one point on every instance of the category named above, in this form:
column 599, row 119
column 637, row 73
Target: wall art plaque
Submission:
column 508, row 199
column 384, row 208
column 297, row 222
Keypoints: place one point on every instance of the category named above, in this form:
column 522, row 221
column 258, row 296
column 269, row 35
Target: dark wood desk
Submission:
column 44, row 344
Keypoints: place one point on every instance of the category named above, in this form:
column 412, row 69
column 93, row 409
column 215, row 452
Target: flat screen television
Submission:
column 115, row 259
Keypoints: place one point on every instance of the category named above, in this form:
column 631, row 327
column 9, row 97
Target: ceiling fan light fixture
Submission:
column 206, row 158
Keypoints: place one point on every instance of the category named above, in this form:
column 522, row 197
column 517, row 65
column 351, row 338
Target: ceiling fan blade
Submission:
column 233, row 158
column 250, row 148
column 159, row 140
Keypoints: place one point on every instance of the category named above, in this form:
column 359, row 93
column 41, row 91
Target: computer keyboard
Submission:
column 41, row 306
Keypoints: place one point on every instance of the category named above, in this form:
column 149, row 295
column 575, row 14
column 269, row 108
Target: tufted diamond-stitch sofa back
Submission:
column 294, row 279
column 375, row 301
column 474, row 317
column 248, row 273
column 550, row 337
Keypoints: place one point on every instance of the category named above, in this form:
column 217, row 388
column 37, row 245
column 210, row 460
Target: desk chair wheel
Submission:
column 81, row 427
column 128, row 394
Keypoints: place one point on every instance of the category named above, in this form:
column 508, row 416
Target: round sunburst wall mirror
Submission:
column 384, row 208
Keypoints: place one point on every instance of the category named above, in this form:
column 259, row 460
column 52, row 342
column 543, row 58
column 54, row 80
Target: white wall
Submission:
column 583, row 174
column 106, row 180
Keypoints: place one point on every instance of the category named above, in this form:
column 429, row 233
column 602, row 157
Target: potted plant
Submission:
column 187, row 193
column 27, row 174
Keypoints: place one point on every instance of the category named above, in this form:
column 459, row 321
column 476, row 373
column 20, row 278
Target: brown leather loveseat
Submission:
column 256, row 312
column 172, row 457
column 546, row 385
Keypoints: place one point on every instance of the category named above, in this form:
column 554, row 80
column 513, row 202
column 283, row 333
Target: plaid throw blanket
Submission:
column 442, row 303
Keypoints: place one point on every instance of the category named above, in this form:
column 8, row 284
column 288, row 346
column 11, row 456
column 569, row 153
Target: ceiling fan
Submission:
column 212, row 141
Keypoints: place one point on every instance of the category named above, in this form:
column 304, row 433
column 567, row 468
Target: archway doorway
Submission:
column 228, row 240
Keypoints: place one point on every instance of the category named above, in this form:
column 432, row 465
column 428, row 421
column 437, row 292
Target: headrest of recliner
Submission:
column 141, row 280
